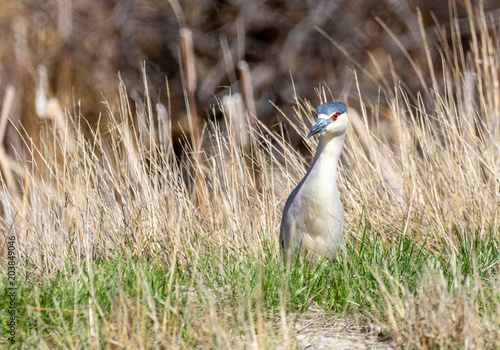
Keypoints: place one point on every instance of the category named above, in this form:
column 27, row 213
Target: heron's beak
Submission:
column 320, row 126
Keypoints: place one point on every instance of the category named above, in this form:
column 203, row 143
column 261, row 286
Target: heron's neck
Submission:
column 327, row 154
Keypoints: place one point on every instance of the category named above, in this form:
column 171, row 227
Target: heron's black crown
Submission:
column 330, row 108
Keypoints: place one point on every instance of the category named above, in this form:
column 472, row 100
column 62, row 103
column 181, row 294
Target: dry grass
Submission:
column 427, row 167
column 442, row 314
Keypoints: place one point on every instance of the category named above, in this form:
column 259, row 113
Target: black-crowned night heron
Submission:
column 313, row 216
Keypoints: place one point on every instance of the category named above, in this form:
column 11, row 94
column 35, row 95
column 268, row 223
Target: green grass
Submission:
column 56, row 307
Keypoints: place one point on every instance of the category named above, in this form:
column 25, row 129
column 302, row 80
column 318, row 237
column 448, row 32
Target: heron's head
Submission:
column 332, row 119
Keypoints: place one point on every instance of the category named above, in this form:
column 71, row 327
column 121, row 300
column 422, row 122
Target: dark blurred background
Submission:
column 83, row 44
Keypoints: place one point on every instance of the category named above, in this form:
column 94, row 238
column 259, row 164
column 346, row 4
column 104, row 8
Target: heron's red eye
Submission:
column 335, row 116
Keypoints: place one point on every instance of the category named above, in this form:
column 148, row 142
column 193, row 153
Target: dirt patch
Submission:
column 315, row 329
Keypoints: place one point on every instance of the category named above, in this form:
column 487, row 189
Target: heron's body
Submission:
column 313, row 216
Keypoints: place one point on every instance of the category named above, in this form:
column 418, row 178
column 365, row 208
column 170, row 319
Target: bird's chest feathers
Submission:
column 324, row 191
column 322, row 177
